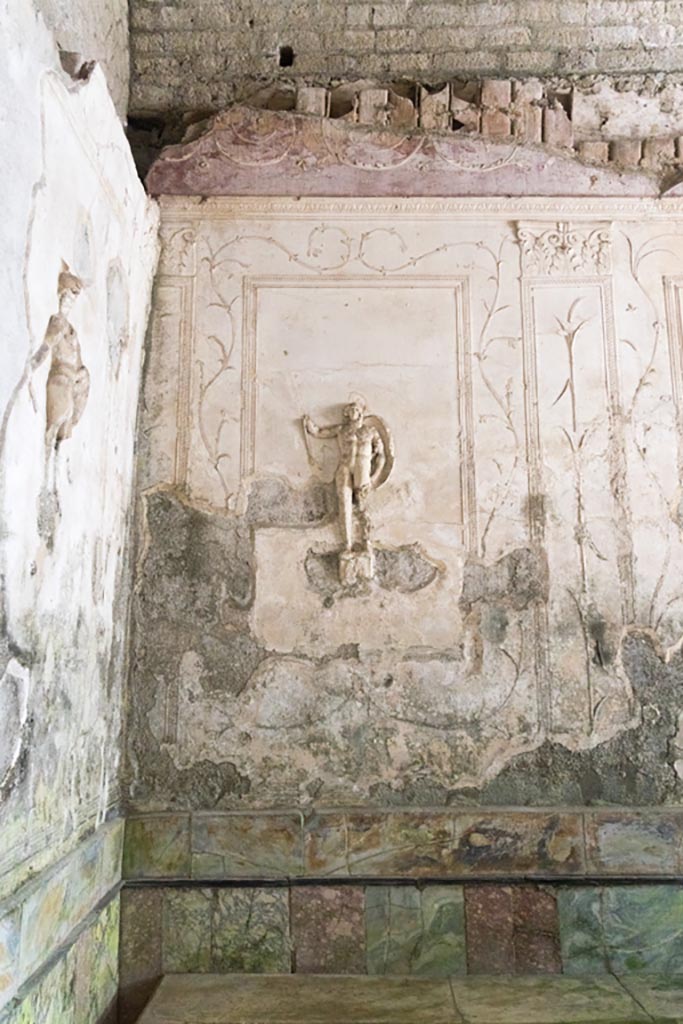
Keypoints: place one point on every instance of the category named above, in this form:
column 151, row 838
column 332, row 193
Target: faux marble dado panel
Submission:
column 45, row 912
column 385, row 844
column 80, row 985
column 525, row 608
column 417, row 929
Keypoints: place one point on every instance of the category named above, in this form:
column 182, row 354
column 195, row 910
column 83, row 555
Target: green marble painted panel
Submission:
column 105, row 961
column 186, row 931
column 250, row 931
column 637, row 843
column 252, row 845
column 51, row 1002
column 412, row 931
column 226, row 931
column 43, row 922
column 581, row 933
column 621, row 929
column 81, row 987
column 643, row 928
column 378, row 843
column 157, row 846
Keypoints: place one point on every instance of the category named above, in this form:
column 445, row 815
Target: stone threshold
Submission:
column 335, row 999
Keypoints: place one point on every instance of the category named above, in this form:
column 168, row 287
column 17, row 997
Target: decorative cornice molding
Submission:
column 218, row 208
column 244, row 151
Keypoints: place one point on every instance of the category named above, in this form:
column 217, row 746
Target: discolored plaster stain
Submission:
column 634, row 768
column 406, row 568
column 274, row 502
column 517, row 580
column 16, row 718
column 48, row 515
column 193, row 643
column 534, row 507
column 322, row 572
column 227, row 666
column 200, row 566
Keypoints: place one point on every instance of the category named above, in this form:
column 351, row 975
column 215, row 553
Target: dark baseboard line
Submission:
column 420, row 883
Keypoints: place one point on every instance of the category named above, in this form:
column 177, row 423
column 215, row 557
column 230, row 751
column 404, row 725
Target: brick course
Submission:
column 430, row 40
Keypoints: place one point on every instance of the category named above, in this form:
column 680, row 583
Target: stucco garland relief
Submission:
column 263, row 139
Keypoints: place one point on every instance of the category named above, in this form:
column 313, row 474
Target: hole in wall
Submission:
column 285, row 56
column 564, row 99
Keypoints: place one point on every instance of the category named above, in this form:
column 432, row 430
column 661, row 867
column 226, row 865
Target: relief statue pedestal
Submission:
column 356, row 567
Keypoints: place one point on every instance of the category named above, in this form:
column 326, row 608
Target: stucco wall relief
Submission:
column 366, row 459
column 68, row 381
column 524, row 356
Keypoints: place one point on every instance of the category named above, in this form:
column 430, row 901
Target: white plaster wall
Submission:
column 70, row 194
column 97, row 29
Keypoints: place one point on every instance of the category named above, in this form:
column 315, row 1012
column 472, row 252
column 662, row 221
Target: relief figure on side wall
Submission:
column 68, row 382
column 366, row 459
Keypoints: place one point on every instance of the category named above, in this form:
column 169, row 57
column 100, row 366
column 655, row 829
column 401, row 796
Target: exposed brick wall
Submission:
column 203, row 54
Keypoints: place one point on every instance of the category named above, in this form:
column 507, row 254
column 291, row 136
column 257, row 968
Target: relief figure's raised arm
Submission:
column 325, row 432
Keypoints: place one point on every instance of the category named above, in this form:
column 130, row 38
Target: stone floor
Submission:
column 297, row 999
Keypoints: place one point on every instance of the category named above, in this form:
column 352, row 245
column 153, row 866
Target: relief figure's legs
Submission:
column 59, row 406
column 344, row 484
column 363, row 515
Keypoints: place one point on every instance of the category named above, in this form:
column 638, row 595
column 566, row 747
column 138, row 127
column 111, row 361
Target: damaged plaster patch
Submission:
column 677, row 748
column 217, row 717
column 517, row 580
column 14, row 723
column 405, row 569
column 634, row 768
column 190, row 630
column 199, row 562
column 274, row 502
